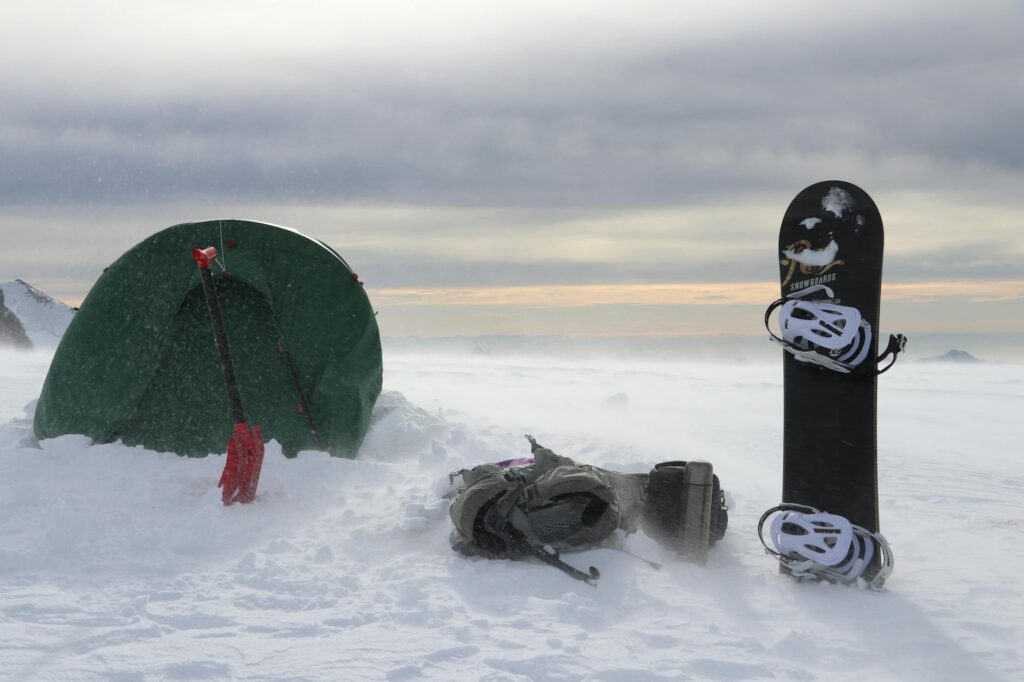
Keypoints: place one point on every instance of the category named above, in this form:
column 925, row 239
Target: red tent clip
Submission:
column 245, row 446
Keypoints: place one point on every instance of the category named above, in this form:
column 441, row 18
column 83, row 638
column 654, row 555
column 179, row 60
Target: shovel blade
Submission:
column 244, row 462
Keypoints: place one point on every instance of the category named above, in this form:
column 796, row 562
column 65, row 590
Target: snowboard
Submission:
column 832, row 235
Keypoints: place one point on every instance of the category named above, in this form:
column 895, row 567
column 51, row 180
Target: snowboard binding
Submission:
column 820, row 331
column 816, row 545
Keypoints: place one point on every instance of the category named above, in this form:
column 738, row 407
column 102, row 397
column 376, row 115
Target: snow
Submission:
column 837, row 201
column 811, row 223
column 119, row 563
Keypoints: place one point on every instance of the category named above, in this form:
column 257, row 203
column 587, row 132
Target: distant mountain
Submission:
column 44, row 319
column 12, row 332
column 959, row 356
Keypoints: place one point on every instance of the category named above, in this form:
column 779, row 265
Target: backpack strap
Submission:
column 551, row 557
column 498, row 521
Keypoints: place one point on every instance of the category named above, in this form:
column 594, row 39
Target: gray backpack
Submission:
column 543, row 508
column 552, row 504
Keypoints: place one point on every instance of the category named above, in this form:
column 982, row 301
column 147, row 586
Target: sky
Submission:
column 529, row 168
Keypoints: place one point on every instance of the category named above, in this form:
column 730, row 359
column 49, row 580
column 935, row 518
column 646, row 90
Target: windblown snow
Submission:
column 119, row 563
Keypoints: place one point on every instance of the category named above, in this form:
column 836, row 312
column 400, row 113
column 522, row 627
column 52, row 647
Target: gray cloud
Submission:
column 907, row 101
column 754, row 264
column 549, row 144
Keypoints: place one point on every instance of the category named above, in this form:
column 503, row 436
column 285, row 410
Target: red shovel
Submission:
column 245, row 446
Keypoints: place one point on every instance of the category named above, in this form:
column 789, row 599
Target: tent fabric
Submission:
column 139, row 364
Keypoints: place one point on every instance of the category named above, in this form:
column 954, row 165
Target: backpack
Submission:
column 555, row 504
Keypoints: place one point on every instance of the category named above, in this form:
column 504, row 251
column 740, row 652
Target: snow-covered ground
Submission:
column 121, row 564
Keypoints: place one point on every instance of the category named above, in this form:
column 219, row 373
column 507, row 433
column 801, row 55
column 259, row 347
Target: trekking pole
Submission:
column 245, row 446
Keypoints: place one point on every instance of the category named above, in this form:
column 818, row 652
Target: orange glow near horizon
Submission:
column 725, row 293
column 656, row 309
column 719, row 293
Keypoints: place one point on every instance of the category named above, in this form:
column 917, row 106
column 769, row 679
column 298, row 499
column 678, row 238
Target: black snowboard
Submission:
column 832, row 235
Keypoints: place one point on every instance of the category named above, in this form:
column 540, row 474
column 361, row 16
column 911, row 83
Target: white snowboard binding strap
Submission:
column 817, row 545
column 822, row 332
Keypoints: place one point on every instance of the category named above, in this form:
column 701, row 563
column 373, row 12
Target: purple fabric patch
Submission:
column 508, row 463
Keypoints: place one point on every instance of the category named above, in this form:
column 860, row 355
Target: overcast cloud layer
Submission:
column 474, row 144
column 544, row 110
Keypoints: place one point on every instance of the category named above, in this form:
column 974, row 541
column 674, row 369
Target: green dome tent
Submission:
column 138, row 362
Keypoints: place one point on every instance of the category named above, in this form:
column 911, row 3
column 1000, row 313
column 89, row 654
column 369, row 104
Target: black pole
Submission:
column 221, row 337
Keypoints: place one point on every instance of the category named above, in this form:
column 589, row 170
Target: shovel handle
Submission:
column 204, row 256
column 220, row 336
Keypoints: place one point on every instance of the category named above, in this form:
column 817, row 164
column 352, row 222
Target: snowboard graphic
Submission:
column 830, row 268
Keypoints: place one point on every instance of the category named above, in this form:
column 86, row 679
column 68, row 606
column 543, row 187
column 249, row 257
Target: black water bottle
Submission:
column 665, row 504
column 684, row 508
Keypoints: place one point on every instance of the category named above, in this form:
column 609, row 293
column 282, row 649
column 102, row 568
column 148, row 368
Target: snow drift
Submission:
column 121, row 563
